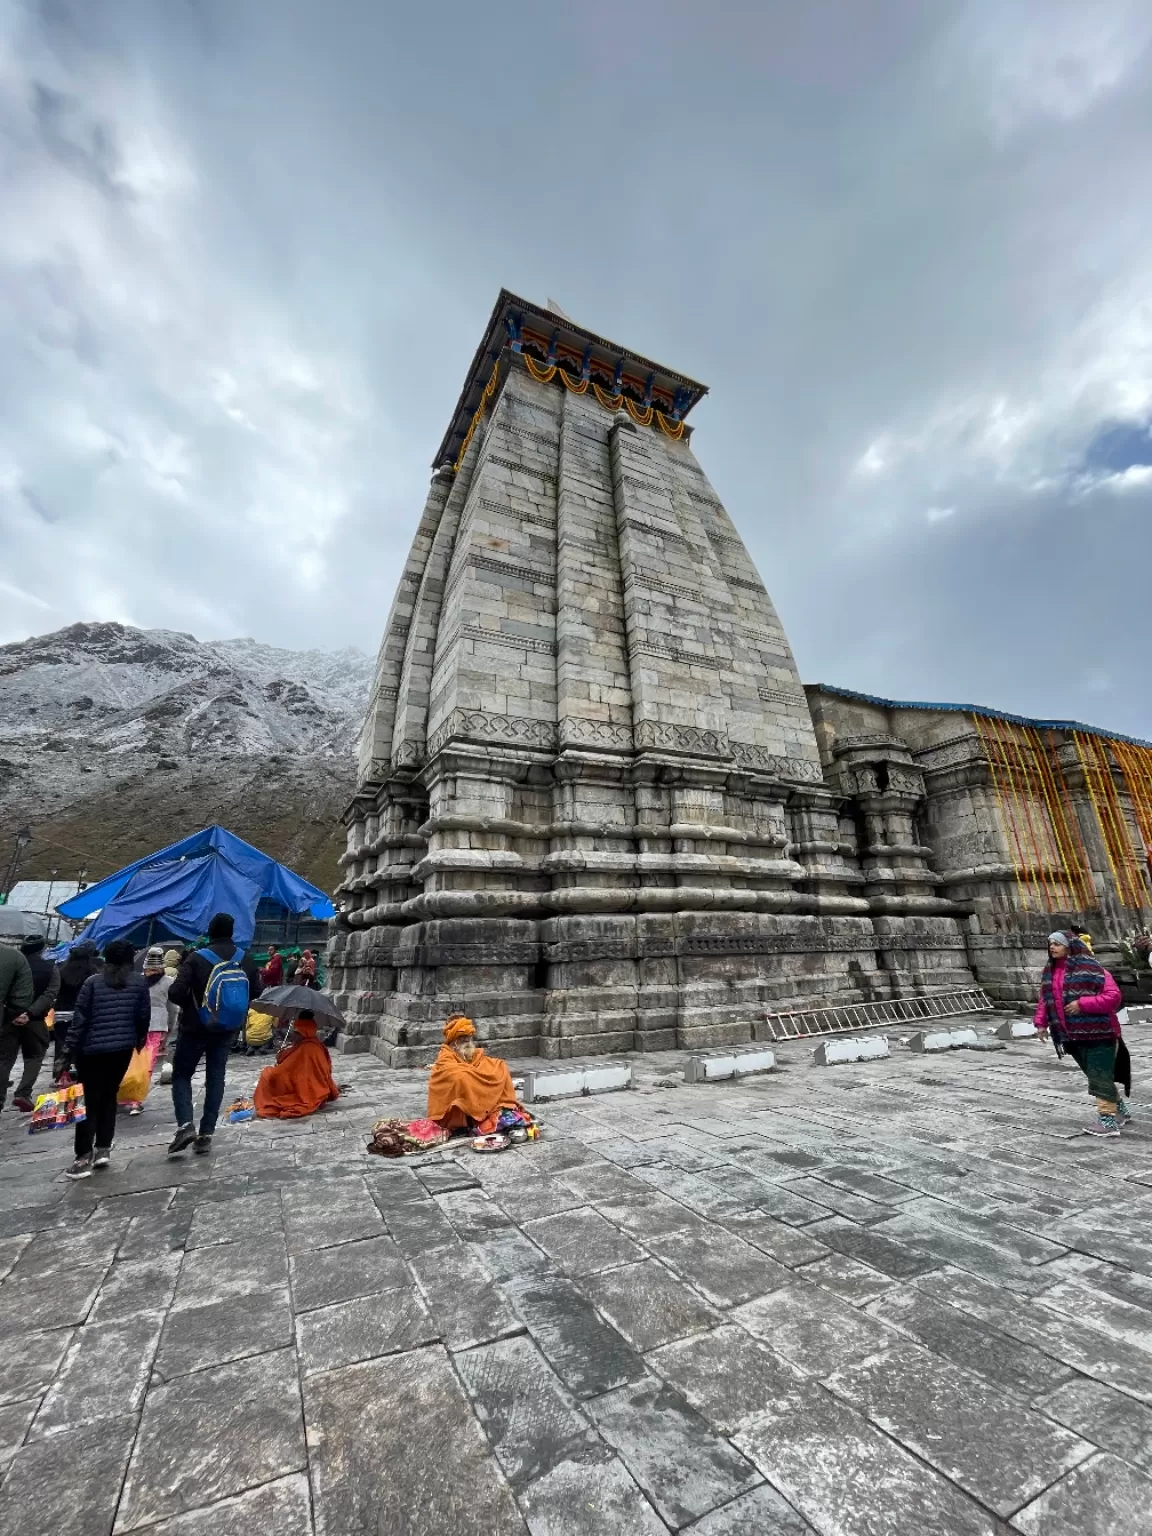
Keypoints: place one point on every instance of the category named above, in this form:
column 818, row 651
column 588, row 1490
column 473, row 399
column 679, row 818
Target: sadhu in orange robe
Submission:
column 466, row 1093
column 300, row 1081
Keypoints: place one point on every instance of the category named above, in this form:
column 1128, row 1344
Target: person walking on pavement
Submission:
column 80, row 964
column 1078, row 1002
column 32, row 1023
column 109, row 1022
column 172, row 959
column 213, row 999
column 17, row 993
column 159, row 982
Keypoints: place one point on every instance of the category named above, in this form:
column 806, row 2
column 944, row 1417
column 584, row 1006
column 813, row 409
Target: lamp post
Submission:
column 23, row 838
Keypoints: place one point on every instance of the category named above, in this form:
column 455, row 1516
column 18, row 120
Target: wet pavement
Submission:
column 901, row 1297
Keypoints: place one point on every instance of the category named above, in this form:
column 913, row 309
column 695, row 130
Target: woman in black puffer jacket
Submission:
column 109, row 1022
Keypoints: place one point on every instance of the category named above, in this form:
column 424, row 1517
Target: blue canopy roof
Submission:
column 180, row 887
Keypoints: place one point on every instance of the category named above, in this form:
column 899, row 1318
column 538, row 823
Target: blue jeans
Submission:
column 215, row 1047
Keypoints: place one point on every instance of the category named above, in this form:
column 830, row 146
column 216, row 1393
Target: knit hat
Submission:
column 457, row 1028
column 171, row 959
column 1059, row 938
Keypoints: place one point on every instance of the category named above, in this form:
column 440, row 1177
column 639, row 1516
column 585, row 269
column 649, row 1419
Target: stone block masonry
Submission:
column 593, row 810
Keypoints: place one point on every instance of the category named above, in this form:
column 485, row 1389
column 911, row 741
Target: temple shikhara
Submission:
column 597, row 809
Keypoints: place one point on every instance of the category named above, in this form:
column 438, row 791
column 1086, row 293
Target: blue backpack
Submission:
column 225, row 1005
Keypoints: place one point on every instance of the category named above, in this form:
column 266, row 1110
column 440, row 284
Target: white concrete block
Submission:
column 1016, row 1029
column 926, row 1040
column 575, row 1082
column 831, row 1052
column 716, row 1066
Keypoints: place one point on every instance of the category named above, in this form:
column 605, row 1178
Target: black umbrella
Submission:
column 287, row 1002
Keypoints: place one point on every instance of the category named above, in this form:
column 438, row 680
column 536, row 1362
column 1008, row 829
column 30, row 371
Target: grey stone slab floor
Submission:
column 904, row 1298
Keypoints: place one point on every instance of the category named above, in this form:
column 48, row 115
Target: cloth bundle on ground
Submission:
column 300, row 1081
column 468, row 1093
column 1083, row 980
column 396, row 1138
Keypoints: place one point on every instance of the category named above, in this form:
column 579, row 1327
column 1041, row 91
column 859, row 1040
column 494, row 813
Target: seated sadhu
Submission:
column 300, row 1080
column 468, row 1088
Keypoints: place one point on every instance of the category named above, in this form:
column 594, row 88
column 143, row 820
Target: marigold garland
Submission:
column 1101, row 788
column 1062, row 819
column 1003, row 804
column 1136, row 768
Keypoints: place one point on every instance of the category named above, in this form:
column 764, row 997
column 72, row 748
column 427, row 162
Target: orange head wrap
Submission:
column 457, row 1027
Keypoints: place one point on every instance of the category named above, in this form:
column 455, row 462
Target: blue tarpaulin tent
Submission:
column 172, row 893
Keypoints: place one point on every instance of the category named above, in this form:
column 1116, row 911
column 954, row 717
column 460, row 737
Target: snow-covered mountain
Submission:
column 115, row 740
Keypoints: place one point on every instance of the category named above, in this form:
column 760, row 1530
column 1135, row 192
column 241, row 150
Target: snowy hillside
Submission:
column 116, row 740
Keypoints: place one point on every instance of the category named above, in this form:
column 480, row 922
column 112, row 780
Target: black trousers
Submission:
column 28, row 1040
column 101, row 1074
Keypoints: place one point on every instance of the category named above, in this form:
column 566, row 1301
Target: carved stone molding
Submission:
column 675, row 653
column 507, row 730
column 532, row 573
column 498, row 637
column 575, row 732
column 528, row 469
column 797, row 769
column 740, row 581
column 507, row 510
column 657, row 533
column 640, row 577
column 781, row 696
column 655, row 735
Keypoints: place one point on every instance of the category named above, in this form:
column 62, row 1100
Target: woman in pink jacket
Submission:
column 1078, row 1003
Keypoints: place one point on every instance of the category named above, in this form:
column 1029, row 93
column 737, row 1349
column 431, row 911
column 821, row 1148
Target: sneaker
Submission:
column 203, row 1144
column 184, row 1137
column 80, row 1169
column 23, row 1103
column 166, row 1072
column 1103, row 1125
column 1123, row 1113
column 101, row 1157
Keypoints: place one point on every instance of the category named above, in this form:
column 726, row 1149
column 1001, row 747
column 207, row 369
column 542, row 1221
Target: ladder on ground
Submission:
column 802, row 1023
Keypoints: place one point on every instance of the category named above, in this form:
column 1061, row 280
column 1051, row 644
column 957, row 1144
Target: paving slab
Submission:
column 648, row 1215
column 848, row 1479
column 417, row 1226
column 73, row 1293
column 241, row 1219
column 177, row 1463
column 1016, row 1367
column 530, row 1199
column 425, row 1471
column 726, row 1375
column 843, row 1202
column 1108, row 1418
column 588, row 1355
column 466, row 1305
column 759, row 1513
column 683, row 1466
column 975, row 1434
column 15, row 1421
column 323, row 1276
column 136, row 1285
column 531, row 1422
column 590, row 1493
column 46, row 1493
column 648, row 1305
column 104, row 1374
column 197, row 1336
column 849, row 1279
column 582, row 1242
column 227, row 1272
column 1101, row 1498
column 723, row 1268
column 31, row 1360
column 328, row 1213
column 812, row 1329
column 280, row 1508
column 57, row 1249
column 791, row 1246
column 872, row 1247
column 384, row 1324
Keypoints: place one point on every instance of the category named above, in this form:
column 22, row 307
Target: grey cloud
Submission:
column 904, row 244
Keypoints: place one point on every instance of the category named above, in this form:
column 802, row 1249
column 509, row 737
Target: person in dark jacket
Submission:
column 109, row 1022
column 17, row 991
column 80, row 964
column 29, row 1027
column 196, row 1041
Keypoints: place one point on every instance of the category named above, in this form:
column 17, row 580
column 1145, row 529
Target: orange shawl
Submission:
column 300, row 1081
column 460, row 1091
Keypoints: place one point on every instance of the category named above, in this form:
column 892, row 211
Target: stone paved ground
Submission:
column 860, row 1301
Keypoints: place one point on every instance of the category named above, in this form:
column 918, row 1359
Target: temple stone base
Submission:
column 586, row 986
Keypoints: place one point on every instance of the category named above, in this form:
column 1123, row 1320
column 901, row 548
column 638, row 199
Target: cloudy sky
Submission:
column 247, row 250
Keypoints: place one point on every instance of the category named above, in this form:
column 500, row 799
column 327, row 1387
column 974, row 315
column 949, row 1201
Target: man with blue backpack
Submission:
column 213, row 988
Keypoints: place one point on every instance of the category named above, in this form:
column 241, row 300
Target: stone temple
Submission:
column 596, row 807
